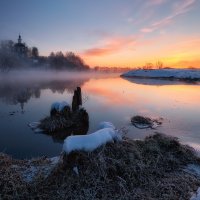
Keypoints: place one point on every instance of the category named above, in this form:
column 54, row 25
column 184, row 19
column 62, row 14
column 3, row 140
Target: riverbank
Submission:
column 153, row 168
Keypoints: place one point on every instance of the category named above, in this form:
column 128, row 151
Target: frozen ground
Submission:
column 164, row 73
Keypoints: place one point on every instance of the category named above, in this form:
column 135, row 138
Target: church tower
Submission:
column 21, row 48
column 20, row 39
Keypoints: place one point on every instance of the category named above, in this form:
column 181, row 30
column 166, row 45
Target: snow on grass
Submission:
column 90, row 142
column 164, row 73
column 55, row 106
column 59, row 106
column 106, row 125
column 62, row 105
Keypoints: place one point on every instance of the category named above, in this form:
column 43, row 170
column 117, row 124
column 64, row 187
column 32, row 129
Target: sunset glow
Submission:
column 111, row 33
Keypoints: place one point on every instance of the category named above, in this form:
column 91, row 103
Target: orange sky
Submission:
column 179, row 51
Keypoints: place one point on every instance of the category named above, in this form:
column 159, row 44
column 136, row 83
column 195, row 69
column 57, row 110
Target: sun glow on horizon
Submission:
column 111, row 33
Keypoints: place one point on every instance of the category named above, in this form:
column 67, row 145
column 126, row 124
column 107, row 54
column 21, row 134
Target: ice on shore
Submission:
column 34, row 125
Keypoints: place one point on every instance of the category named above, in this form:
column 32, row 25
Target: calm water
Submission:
column 26, row 99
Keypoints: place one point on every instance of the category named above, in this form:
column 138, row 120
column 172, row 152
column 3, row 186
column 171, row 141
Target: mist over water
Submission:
column 38, row 75
column 26, row 96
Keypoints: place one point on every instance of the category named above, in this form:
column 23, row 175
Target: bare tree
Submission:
column 148, row 66
column 35, row 52
column 159, row 65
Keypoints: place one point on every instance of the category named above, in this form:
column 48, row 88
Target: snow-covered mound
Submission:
column 91, row 141
column 106, row 125
column 59, row 106
column 164, row 73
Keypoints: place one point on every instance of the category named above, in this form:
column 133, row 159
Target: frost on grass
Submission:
column 36, row 167
column 91, row 141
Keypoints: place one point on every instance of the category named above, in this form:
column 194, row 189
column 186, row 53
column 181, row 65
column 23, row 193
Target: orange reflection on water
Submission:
column 118, row 91
column 111, row 89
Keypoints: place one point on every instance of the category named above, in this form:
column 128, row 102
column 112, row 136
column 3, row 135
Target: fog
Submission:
column 42, row 75
column 21, row 86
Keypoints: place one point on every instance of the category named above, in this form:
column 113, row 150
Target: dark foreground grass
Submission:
column 149, row 169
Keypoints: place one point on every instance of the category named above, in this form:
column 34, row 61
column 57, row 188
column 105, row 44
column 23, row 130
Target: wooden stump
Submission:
column 77, row 99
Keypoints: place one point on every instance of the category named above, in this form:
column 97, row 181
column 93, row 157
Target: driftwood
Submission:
column 145, row 122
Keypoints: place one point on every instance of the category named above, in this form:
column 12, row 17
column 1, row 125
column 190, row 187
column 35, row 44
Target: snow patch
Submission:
column 90, row 142
column 164, row 73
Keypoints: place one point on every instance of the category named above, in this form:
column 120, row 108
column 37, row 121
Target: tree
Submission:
column 148, row 66
column 35, row 52
column 159, row 65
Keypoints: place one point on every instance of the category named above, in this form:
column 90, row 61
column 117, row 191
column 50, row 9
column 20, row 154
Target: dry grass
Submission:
column 149, row 169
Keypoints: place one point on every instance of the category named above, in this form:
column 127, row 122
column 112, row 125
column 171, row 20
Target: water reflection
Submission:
column 109, row 99
column 157, row 82
column 20, row 92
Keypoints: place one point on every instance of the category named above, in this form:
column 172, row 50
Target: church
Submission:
column 20, row 48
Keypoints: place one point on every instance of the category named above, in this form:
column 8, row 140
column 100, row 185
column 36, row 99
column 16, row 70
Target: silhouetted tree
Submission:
column 35, row 52
column 148, row 66
column 159, row 65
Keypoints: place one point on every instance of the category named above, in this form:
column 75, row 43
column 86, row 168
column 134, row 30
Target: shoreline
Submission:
column 187, row 80
column 156, row 168
column 185, row 75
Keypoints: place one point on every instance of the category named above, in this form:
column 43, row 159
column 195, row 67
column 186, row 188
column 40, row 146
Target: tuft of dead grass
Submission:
column 148, row 169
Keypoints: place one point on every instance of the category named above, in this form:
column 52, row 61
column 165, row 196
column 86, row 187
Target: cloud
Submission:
column 111, row 46
column 178, row 9
column 156, row 2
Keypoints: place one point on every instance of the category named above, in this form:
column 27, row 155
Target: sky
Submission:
column 114, row 33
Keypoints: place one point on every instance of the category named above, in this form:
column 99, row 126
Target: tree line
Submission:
column 10, row 59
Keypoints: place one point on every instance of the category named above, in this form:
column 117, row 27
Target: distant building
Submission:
column 20, row 48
